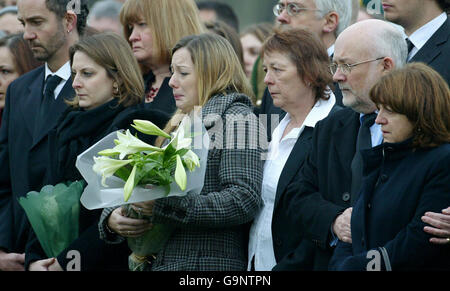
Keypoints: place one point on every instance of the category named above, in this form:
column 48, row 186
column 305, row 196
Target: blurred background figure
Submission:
column 104, row 16
column 212, row 11
column 4, row 3
column 252, row 39
column 151, row 38
column 8, row 21
column 16, row 59
column 226, row 31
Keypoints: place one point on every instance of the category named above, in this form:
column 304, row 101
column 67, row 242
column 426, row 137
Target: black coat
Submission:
column 399, row 186
column 288, row 246
column 23, row 152
column 321, row 190
column 436, row 51
column 76, row 132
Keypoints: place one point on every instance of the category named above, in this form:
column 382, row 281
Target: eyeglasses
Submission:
column 292, row 9
column 347, row 68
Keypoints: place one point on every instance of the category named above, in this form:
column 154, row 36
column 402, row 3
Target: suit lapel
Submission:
column 294, row 162
column 57, row 108
column 432, row 48
column 32, row 101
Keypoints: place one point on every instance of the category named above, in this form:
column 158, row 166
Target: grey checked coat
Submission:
column 212, row 228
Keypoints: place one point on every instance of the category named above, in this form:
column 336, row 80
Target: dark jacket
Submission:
column 399, row 186
column 436, row 51
column 23, row 152
column 76, row 132
column 289, row 246
column 321, row 190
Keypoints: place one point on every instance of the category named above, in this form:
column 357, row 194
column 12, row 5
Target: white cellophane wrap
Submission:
column 96, row 196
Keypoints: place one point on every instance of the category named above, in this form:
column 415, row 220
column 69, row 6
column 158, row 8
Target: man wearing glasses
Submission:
column 321, row 196
column 326, row 18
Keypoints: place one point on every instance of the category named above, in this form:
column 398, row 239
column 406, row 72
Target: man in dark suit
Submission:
column 51, row 28
column 320, row 198
column 428, row 29
column 325, row 18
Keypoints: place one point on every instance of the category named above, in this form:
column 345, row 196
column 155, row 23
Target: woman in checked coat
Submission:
column 211, row 231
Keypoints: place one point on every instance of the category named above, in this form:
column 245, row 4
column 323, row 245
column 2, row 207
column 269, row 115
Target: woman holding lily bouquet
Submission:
column 211, row 228
column 109, row 88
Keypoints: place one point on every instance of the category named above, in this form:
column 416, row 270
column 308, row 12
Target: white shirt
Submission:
column 423, row 34
column 260, row 240
column 64, row 73
column 330, row 50
column 375, row 131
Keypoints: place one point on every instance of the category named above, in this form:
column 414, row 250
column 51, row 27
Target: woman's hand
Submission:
column 125, row 226
column 144, row 208
column 440, row 226
column 11, row 261
column 42, row 265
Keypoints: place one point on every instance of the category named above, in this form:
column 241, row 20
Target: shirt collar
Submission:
column 330, row 50
column 423, row 34
column 63, row 72
column 319, row 111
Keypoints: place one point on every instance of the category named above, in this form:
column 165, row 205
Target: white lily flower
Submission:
column 107, row 167
column 149, row 128
column 128, row 144
column 179, row 141
column 129, row 185
column 180, row 174
column 191, row 160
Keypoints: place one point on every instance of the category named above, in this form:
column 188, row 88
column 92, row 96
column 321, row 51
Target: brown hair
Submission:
column 114, row 54
column 22, row 55
column 423, row 96
column 307, row 52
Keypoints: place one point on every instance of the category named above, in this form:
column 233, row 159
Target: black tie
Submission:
column 364, row 141
column 410, row 45
column 49, row 96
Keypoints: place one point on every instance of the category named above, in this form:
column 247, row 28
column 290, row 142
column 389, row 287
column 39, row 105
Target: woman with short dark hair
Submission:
column 297, row 76
column 404, row 177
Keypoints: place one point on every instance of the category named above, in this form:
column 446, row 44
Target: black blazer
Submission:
column 321, row 189
column 23, row 152
column 286, row 239
column 436, row 51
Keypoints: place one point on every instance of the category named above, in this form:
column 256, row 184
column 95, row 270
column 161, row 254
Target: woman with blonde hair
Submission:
column 152, row 28
column 108, row 89
column 210, row 228
column 405, row 177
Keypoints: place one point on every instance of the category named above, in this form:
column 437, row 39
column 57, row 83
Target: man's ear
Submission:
column 70, row 21
column 388, row 64
column 331, row 22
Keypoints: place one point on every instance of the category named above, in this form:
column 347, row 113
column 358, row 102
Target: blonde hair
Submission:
column 169, row 21
column 217, row 67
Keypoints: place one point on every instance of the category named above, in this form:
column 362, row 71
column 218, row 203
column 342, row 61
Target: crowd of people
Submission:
column 350, row 166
